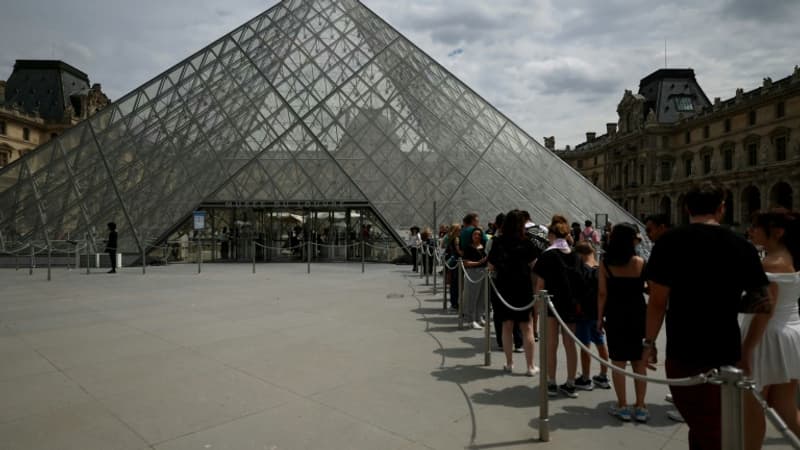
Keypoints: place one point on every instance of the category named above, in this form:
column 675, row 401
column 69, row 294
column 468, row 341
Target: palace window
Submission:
column 752, row 154
column 26, row 134
column 780, row 110
column 2, row 128
column 706, row 163
column 727, row 125
column 728, row 158
column 688, row 137
column 666, row 170
column 580, row 164
column 683, row 103
column 641, row 174
column 751, row 117
column 706, row 132
column 780, row 148
column 4, row 157
column 687, row 165
column 595, row 160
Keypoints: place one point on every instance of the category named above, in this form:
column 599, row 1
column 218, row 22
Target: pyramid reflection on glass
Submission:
column 314, row 100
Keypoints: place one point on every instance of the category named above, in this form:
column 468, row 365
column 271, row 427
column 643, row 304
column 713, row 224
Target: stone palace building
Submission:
column 39, row 101
column 669, row 136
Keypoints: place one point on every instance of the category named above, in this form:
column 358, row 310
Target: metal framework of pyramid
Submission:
column 313, row 100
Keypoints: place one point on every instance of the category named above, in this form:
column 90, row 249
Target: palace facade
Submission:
column 39, row 101
column 669, row 136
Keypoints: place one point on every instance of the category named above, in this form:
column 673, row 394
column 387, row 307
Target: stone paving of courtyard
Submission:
column 278, row 360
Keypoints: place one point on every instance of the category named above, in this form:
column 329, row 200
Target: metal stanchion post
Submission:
column 732, row 408
column 362, row 255
column 487, row 328
column 426, row 260
column 435, row 258
column 420, row 259
column 77, row 256
column 49, row 261
column 254, row 257
column 445, row 272
column 86, row 238
column 460, row 293
column 544, row 413
column 144, row 258
column 30, row 270
column 16, row 260
column 199, row 255
column 309, row 256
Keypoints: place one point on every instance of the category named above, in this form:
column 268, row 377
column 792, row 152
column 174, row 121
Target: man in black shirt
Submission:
column 703, row 269
column 111, row 246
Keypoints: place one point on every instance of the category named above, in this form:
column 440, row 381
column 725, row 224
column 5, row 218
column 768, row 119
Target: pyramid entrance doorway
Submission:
column 284, row 232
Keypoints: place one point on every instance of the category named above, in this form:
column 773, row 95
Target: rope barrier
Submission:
column 16, row 251
column 466, row 277
column 503, row 300
column 295, row 247
column 337, row 246
column 687, row 381
column 773, row 416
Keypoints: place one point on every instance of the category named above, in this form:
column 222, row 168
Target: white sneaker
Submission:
column 476, row 326
column 532, row 372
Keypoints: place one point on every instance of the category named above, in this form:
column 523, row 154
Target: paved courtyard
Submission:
column 278, row 360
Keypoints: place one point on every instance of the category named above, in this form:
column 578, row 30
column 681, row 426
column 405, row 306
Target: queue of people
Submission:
column 723, row 305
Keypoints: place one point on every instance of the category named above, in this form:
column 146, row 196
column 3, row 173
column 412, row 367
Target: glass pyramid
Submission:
column 313, row 100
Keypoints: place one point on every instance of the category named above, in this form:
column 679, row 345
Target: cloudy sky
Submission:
column 556, row 67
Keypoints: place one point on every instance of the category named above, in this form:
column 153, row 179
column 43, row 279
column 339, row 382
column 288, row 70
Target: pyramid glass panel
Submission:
column 312, row 102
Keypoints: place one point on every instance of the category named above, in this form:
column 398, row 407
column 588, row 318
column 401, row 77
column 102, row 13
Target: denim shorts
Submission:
column 586, row 331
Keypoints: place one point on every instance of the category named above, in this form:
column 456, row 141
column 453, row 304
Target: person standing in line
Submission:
column 620, row 301
column 589, row 234
column 469, row 223
column 702, row 270
column 414, row 243
column 775, row 365
column 576, row 233
column 655, row 226
column 452, row 254
column 495, row 301
column 474, row 264
column 551, row 271
column 586, row 327
column 111, row 246
column 511, row 258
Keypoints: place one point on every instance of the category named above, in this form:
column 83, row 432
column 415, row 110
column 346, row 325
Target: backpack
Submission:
column 581, row 284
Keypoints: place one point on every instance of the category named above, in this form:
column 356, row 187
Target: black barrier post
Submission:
column 445, row 272
column 460, row 294
column 544, row 413
column 309, row 255
column 435, row 247
column 30, row 270
column 487, row 328
column 86, row 237
column 49, row 261
column 254, row 257
column 362, row 254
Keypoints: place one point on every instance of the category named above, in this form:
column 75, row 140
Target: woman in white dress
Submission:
column 774, row 360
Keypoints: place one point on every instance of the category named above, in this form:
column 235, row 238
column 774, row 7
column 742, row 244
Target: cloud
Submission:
column 760, row 10
column 554, row 67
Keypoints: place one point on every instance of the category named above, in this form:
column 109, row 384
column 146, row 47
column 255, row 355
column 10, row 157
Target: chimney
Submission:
column 611, row 129
column 590, row 135
column 550, row 142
